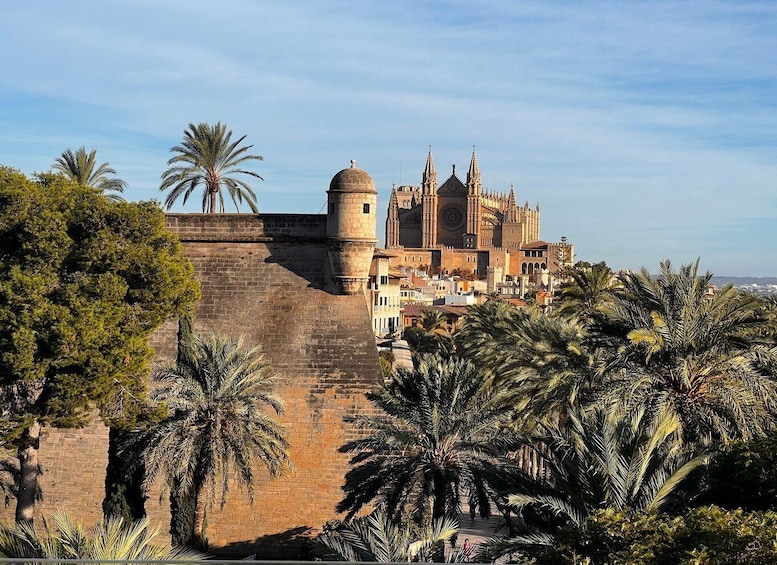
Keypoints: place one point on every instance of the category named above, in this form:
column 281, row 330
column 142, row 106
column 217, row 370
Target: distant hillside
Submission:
column 743, row 281
column 758, row 285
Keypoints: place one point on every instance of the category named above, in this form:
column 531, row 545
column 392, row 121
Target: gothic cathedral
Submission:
column 461, row 225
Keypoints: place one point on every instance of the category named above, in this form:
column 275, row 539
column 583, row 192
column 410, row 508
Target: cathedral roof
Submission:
column 452, row 186
column 352, row 180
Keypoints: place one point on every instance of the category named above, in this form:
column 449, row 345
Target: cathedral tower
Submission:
column 392, row 221
column 429, row 204
column 350, row 228
column 472, row 235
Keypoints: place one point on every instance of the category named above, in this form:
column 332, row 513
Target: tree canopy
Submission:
column 81, row 167
column 216, row 426
column 435, row 435
column 83, row 283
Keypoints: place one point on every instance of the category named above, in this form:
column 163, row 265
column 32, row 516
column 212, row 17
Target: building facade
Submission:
column 385, row 300
column 461, row 225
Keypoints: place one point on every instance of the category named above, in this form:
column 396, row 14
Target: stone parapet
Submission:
column 248, row 227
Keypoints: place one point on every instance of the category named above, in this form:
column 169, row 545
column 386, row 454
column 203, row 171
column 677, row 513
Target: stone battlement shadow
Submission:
column 292, row 544
column 307, row 259
column 295, row 242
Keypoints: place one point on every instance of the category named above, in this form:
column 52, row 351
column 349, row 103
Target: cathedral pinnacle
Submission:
column 429, row 179
column 473, row 175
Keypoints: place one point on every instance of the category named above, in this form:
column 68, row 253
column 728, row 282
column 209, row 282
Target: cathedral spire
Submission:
column 473, row 175
column 511, row 212
column 393, row 210
column 392, row 221
column 429, row 179
column 429, row 204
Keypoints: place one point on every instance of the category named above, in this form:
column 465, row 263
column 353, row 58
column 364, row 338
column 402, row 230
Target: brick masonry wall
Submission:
column 73, row 464
column 272, row 286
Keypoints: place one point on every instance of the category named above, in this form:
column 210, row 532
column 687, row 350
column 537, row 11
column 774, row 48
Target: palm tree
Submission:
column 487, row 330
column 551, row 365
column 432, row 336
column 593, row 461
column 537, row 364
column 432, row 320
column 111, row 540
column 82, row 169
column 209, row 156
column 9, row 477
column 584, row 290
column 436, row 432
column 214, row 395
column 697, row 357
column 377, row 538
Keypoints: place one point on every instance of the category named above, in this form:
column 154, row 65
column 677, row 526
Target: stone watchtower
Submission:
column 350, row 228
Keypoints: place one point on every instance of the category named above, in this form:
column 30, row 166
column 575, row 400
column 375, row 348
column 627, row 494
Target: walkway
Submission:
column 402, row 357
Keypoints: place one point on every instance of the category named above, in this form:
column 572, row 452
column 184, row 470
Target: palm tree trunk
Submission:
column 213, row 201
column 28, row 474
column 199, row 513
column 438, row 507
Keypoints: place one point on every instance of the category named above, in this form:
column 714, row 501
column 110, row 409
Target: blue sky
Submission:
column 646, row 130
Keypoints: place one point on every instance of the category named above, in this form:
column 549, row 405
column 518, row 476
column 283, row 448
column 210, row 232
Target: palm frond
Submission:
column 208, row 156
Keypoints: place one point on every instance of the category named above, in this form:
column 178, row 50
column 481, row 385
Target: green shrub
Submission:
column 703, row 536
column 745, row 475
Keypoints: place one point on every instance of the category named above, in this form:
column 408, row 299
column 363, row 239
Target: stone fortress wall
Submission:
column 268, row 278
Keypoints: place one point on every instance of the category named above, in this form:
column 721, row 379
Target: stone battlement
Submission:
column 268, row 278
column 248, row 227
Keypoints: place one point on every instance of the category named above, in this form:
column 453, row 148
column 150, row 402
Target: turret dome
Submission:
column 352, row 180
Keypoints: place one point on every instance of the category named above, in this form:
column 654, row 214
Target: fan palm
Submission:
column 111, row 539
column 697, row 357
column 378, row 539
column 209, row 156
column 435, row 432
column 215, row 423
column 81, row 167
